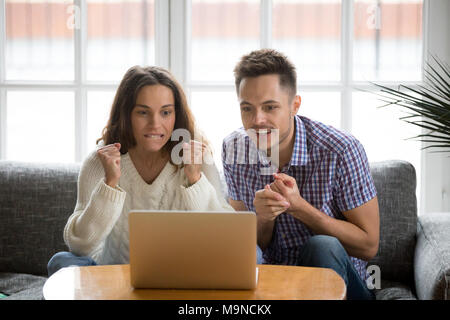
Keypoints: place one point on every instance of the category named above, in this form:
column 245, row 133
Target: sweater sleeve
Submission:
column 206, row 193
column 97, row 209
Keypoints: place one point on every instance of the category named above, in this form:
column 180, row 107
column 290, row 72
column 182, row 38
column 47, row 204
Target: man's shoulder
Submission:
column 328, row 138
column 238, row 134
column 238, row 152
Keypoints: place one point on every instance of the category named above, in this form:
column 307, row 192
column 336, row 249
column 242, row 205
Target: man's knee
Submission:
column 322, row 248
column 321, row 242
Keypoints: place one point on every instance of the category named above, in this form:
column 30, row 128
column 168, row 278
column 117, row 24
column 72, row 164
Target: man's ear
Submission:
column 296, row 104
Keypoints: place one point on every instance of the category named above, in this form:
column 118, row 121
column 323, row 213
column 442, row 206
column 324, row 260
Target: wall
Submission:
column 436, row 166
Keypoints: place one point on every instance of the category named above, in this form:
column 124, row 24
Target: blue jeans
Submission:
column 66, row 259
column 327, row 252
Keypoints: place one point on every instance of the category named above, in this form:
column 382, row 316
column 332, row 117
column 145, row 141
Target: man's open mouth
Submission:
column 263, row 132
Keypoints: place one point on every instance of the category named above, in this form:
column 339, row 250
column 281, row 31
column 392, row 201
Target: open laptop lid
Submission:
column 181, row 249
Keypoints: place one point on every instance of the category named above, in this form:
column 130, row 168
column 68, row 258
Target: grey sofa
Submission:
column 37, row 199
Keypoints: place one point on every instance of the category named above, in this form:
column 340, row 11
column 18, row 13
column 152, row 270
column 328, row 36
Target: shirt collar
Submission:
column 300, row 155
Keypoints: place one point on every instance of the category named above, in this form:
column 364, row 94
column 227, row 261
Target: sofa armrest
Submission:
column 432, row 257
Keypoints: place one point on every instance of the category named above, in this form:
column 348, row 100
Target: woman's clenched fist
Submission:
column 110, row 158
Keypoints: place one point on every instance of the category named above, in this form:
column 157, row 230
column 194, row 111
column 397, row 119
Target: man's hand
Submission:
column 287, row 187
column 359, row 233
column 269, row 204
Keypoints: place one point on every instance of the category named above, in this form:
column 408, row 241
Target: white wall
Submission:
column 436, row 166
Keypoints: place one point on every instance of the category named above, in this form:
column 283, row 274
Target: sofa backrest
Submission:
column 35, row 202
column 37, row 199
column 395, row 182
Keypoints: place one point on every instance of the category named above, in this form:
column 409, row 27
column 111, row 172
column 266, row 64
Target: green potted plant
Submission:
column 428, row 106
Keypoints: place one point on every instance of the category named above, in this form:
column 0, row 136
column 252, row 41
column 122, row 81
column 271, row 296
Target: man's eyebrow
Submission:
column 265, row 102
column 270, row 102
column 245, row 102
column 145, row 106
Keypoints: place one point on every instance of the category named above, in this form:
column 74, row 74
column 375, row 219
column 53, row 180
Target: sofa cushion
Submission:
column 395, row 182
column 432, row 256
column 391, row 290
column 37, row 200
column 21, row 286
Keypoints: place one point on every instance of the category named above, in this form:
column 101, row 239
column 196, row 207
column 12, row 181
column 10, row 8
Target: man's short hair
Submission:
column 264, row 62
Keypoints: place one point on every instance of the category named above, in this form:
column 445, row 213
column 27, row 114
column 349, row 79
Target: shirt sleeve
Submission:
column 354, row 184
column 230, row 173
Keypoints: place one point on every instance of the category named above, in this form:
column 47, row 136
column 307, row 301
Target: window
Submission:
column 61, row 61
column 309, row 32
column 39, row 43
column 337, row 47
column 387, row 42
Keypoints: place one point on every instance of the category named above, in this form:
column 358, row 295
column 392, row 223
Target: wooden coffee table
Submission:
column 275, row 282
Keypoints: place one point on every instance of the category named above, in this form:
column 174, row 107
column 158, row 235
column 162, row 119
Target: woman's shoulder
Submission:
column 91, row 159
column 91, row 167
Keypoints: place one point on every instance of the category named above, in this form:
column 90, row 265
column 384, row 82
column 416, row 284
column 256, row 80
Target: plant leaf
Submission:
column 428, row 105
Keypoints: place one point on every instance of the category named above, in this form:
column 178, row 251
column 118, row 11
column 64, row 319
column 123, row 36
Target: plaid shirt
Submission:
column 332, row 174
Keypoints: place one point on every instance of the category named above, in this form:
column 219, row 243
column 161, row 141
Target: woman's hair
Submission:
column 119, row 129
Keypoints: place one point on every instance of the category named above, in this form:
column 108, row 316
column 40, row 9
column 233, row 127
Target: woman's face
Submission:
column 153, row 117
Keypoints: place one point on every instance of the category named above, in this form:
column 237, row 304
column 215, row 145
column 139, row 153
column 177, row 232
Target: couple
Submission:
column 320, row 208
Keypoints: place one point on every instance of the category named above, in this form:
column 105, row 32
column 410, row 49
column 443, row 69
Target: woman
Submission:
column 138, row 167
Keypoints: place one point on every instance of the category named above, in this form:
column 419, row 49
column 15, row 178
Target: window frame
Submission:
column 80, row 86
column 345, row 86
column 180, row 56
column 172, row 45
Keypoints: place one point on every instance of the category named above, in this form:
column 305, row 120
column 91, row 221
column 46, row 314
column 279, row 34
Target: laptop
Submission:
column 192, row 250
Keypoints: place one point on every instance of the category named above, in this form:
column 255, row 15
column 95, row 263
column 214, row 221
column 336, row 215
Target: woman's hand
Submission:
column 193, row 159
column 110, row 158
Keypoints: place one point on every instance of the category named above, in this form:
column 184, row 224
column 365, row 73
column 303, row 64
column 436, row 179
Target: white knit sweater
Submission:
column 99, row 225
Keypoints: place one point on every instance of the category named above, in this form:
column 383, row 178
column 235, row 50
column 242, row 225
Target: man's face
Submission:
column 266, row 106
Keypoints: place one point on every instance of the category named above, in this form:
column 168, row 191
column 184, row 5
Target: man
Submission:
column 321, row 208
